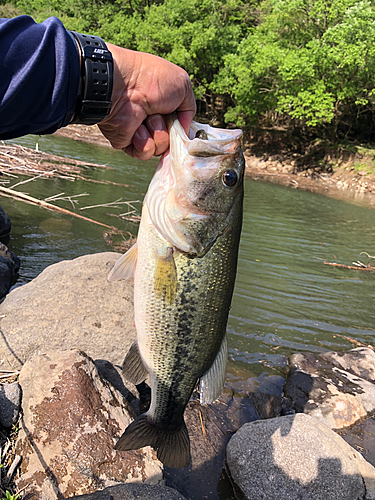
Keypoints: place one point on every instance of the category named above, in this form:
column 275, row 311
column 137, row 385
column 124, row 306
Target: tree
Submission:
column 311, row 60
column 196, row 35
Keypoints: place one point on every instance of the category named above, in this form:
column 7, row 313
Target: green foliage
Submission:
column 196, row 35
column 307, row 63
column 310, row 60
column 10, row 496
column 8, row 10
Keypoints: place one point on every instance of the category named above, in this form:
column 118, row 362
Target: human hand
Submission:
column 145, row 87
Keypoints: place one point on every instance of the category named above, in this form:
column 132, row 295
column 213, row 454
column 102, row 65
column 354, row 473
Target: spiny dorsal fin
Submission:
column 212, row 382
column 125, row 266
column 166, row 277
column 132, row 368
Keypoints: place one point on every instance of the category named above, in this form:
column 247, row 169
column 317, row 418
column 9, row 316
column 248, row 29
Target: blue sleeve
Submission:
column 39, row 76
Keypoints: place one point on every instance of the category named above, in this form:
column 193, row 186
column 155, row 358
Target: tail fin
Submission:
column 173, row 448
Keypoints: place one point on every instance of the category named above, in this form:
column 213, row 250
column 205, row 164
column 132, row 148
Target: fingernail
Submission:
column 157, row 122
column 142, row 133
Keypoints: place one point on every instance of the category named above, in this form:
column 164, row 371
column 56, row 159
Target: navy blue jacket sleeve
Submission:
column 39, row 76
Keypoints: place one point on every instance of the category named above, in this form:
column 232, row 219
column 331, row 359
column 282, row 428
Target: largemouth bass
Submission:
column 184, row 266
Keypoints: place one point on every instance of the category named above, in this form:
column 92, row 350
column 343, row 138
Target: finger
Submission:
column 185, row 118
column 143, row 144
column 159, row 132
column 131, row 151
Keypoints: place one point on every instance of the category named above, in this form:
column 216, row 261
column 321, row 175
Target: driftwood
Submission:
column 16, row 159
column 354, row 341
column 22, row 160
column 34, row 201
column 369, row 267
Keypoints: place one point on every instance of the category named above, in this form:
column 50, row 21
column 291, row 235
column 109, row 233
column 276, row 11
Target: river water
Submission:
column 286, row 299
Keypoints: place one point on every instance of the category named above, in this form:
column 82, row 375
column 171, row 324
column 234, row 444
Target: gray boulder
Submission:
column 5, row 225
column 71, row 420
column 71, row 304
column 134, row 492
column 336, row 387
column 297, row 457
column 9, row 267
column 10, row 403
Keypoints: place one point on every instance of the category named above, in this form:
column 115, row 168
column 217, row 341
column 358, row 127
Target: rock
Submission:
column 5, row 225
column 9, row 267
column 71, row 421
column 362, row 438
column 10, row 403
column 210, row 428
column 338, row 388
column 359, row 362
column 134, row 492
column 9, row 262
column 71, row 304
column 297, row 457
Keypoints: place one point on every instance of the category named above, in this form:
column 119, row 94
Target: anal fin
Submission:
column 133, row 368
column 212, row 382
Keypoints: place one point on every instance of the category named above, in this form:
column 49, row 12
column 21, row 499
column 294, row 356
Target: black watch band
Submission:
column 94, row 102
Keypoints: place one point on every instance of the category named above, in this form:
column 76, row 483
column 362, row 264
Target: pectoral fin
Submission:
column 212, row 382
column 125, row 266
column 132, row 368
column 166, row 276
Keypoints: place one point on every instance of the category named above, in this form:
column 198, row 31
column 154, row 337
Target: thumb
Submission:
column 185, row 118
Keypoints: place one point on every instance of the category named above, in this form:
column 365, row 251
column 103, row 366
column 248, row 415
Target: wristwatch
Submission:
column 94, row 99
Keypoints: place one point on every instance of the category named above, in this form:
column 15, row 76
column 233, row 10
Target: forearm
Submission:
column 39, row 76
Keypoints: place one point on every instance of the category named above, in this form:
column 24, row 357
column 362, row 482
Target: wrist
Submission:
column 123, row 71
column 94, row 100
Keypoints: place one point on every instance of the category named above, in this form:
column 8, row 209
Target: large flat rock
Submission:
column 133, row 492
column 71, row 304
column 297, row 457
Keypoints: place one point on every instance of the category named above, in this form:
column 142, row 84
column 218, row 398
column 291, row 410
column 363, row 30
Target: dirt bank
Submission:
column 333, row 172
column 343, row 183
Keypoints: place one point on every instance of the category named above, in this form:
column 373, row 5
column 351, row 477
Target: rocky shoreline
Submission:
column 75, row 404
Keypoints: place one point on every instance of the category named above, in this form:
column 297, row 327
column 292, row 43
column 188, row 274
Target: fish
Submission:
column 184, row 267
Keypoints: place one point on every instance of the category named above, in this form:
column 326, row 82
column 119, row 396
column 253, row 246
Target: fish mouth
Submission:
column 219, row 142
column 184, row 175
column 191, row 156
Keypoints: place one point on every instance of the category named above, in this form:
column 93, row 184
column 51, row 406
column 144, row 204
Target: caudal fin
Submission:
column 172, row 448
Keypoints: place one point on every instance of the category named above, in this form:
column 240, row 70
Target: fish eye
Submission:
column 230, row 178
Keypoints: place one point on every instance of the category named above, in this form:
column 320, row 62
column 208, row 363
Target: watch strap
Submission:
column 94, row 100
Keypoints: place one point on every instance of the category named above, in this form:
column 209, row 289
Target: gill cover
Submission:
column 183, row 195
